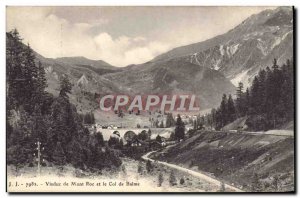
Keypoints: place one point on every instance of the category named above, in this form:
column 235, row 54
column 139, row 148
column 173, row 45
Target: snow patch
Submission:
column 278, row 40
column 241, row 77
column 49, row 70
column 82, row 81
column 234, row 48
column 194, row 59
column 231, row 50
column 222, row 52
column 216, row 64
column 261, row 47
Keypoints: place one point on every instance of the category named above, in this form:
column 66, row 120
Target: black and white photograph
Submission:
column 150, row 99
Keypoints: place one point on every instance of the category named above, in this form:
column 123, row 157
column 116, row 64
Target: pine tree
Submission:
column 16, row 155
column 170, row 120
column 59, row 155
column 195, row 124
column 161, row 124
column 240, row 100
column 149, row 166
column 172, row 179
column 247, row 101
column 262, row 77
column 140, row 168
column 158, row 138
column 230, row 109
column 213, row 117
column 275, row 66
column 14, row 68
column 179, row 129
column 65, row 86
column 224, row 111
column 30, row 75
column 75, row 153
column 160, row 179
column 222, row 187
column 255, row 96
column 99, row 139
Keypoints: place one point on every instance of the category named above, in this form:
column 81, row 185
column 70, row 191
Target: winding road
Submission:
column 191, row 172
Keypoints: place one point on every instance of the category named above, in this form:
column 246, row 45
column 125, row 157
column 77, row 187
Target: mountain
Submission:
column 174, row 76
column 162, row 77
column 207, row 69
column 80, row 60
column 85, row 75
column 241, row 52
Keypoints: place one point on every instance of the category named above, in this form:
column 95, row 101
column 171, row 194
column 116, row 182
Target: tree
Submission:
column 276, row 182
column 160, row 179
column 181, row 181
column 256, row 184
column 33, row 114
column 255, row 96
column 138, row 112
column 149, row 133
column 268, row 102
column 14, row 69
column 161, row 124
column 140, row 168
column 65, row 86
column 222, row 187
column 275, row 66
column 230, row 109
column 143, row 135
column 213, row 117
column 240, row 99
column 74, row 154
column 179, row 129
column 172, row 136
column 59, row 155
column 195, row 124
column 172, row 179
column 223, row 111
column 113, row 141
column 247, row 101
column 170, row 120
column 149, row 166
column 30, row 76
column 158, row 138
column 16, row 155
column 99, row 139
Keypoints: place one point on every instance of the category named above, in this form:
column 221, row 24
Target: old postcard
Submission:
column 150, row 99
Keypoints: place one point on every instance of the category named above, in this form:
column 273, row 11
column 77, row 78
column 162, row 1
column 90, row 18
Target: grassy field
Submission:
column 127, row 174
column 250, row 162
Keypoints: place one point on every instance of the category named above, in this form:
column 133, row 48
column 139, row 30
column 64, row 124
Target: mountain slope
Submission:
column 248, row 161
column 174, row 77
column 85, row 75
column 242, row 51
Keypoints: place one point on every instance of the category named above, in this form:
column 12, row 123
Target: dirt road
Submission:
column 191, row 172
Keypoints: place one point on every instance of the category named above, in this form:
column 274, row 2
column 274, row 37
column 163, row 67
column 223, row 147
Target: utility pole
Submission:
column 39, row 154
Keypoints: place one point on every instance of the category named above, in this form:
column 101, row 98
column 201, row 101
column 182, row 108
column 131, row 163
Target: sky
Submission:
column 120, row 35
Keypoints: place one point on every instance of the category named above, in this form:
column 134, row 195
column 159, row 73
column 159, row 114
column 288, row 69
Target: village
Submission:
column 157, row 132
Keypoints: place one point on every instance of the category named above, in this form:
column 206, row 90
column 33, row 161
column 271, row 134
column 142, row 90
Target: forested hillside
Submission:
column 35, row 116
column 267, row 104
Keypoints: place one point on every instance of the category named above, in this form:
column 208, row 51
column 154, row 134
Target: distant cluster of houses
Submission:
column 99, row 126
column 152, row 144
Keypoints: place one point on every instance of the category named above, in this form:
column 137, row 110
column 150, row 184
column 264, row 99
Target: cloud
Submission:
column 125, row 50
column 120, row 36
column 53, row 37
